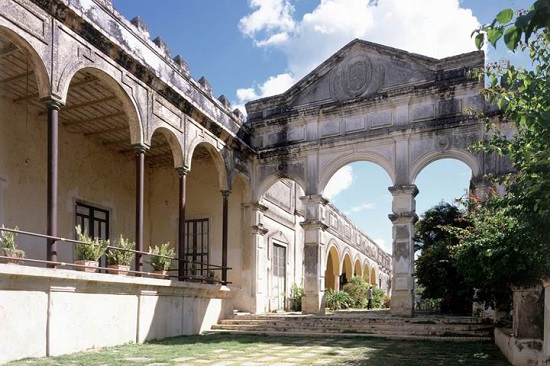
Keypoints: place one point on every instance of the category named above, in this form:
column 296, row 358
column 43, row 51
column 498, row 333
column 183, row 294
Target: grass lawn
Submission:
column 224, row 349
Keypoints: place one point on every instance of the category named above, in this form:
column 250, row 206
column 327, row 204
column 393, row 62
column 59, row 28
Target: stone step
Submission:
column 428, row 327
column 356, row 323
column 342, row 319
column 406, row 337
column 291, row 328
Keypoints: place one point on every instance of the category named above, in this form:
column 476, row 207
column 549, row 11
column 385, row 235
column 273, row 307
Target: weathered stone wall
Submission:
column 47, row 312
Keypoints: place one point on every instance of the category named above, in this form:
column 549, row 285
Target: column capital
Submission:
column 404, row 189
column 313, row 225
column 314, row 198
column 403, row 217
column 225, row 192
column 182, row 171
column 256, row 206
column 259, row 229
column 52, row 103
column 140, row 148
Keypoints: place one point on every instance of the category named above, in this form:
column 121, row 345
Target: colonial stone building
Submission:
column 101, row 126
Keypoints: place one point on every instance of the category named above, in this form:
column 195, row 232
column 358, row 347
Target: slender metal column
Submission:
column 225, row 195
column 140, row 174
column 53, row 155
column 182, row 265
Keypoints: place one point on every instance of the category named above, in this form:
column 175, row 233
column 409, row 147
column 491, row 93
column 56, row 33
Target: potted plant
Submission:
column 119, row 257
column 212, row 277
column 193, row 276
column 158, row 259
column 88, row 251
column 8, row 247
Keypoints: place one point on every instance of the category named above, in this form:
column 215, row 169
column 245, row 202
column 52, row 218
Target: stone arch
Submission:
column 341, row 161
column 129, row 104
column 366, row 271
column 216, row 157
column 262, row 188
column 332, row 268
column 373, row 276
column 346, row 267
column 172, row 139
column 239, row 176
column 432, row 156
column 39, row 67
column 357, row 268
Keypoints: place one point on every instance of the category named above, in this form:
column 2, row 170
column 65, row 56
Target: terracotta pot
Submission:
column 118, row 269
column 160, row 274
column 88, row 264
column 13, row 253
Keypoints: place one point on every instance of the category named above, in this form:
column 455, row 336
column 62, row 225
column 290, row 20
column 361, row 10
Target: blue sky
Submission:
column 248, row 49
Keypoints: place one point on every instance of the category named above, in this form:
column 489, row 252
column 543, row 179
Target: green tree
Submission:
column 509, row 241
column 435, row 269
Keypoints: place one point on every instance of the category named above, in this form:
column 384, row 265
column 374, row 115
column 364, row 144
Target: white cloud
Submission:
column 272, row 86
column 271, row 20
column 363, row 207
column 382, row 243
column 436, row 28
column 340, row 181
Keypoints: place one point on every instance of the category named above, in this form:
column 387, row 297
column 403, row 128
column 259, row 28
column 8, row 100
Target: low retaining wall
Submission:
column 518, row 351
column 49, row 312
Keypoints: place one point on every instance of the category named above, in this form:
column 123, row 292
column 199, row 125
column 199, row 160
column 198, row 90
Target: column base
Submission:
column 402, row 304
column 312, row 304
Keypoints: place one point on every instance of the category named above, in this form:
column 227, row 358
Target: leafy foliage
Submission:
column 357, row 289
column 337, row 300
column 526, row 24
column 7, row 239
column 89, row 249
column 500, row 249
column 436, row 270
column 123, row 257
column 296, row 294
column 508, row 243
column 160, row 258
column 379, row 298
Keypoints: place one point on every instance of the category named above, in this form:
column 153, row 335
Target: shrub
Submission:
column 378, row 298
column 336, row 300
column 357, row 289
column 296, row 294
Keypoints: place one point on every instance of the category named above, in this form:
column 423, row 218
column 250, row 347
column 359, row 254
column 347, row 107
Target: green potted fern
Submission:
column 158, row 260
column 8, row 247
column 88, row 251
column 119, row 257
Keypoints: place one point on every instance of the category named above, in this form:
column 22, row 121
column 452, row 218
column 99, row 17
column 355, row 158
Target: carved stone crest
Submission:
column 356, row 77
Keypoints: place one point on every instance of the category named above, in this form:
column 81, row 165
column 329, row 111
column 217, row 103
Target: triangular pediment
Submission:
column 361, row 69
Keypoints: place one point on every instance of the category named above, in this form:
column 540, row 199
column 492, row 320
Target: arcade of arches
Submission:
column 98, row 116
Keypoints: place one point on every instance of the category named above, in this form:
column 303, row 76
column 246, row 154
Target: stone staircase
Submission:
column 423, row 327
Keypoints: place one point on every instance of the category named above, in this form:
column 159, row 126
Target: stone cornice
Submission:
column 404, row 189
column 403, row 217
column 313, row 225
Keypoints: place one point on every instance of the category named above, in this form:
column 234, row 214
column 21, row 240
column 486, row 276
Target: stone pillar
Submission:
column 313, row 301
column 258, row 266
column 182, row 172
column 225, row 195
column 546, row 331
column 140, row 178
column 403, row 217
column 527, row 312
column 53, row 155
